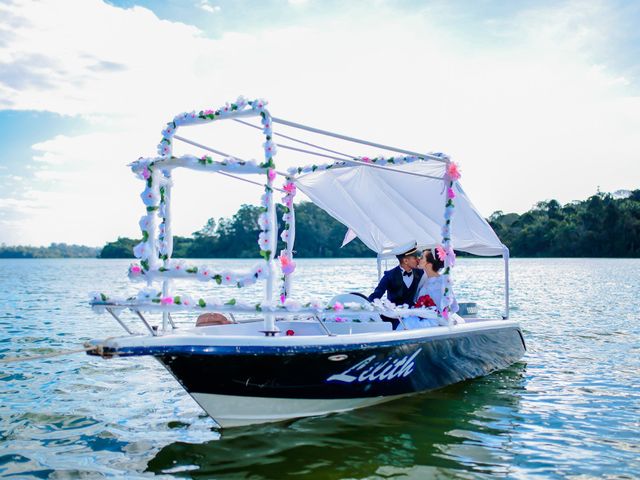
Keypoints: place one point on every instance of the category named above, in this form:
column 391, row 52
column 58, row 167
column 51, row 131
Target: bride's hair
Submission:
column 436, row 262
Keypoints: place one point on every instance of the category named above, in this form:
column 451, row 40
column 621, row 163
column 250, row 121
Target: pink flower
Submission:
column 271, row 174
column 340, row 319
column 451, row 256
column 440, row 252
column 146, row 173
column 290, row 188
column 287, row 265
column 452, row 171
column 338, row 307
column 366, row 159
column 450, row 193
column 135, row 269
column 167, row 301
column 283, row 298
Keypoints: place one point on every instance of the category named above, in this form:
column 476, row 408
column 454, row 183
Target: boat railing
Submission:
column 320, row 313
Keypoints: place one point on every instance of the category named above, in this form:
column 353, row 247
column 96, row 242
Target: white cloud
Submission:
column 207, row 7
column 533, row 120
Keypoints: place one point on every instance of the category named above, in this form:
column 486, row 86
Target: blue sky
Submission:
column 535, row 99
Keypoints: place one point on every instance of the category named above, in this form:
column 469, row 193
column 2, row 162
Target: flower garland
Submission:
column 158, row 184
column 373, row 160
column 445, row 252
column 152, row 300
column 178, row 269
column 287, row 265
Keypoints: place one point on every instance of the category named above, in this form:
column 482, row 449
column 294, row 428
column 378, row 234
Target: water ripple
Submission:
column 570, row 409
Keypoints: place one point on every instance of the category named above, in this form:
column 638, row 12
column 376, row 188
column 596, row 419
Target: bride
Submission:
column 429, row 292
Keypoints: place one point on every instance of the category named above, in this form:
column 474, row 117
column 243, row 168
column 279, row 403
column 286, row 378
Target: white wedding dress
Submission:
column 431, row 286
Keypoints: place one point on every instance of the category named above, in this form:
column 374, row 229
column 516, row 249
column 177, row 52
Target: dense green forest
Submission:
column 55, row 250
column 604, row 225
column 601, row 226
column 317, row 235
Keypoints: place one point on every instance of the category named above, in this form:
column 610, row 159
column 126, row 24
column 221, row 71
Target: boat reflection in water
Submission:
column 462, row 428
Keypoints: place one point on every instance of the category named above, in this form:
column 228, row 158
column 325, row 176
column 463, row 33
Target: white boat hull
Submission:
column 235, row 411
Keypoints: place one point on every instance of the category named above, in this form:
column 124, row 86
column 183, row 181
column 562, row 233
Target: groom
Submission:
column 400, row 283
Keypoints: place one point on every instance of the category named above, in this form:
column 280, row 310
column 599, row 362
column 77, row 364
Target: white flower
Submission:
column 168, row 132
column 178, row 119
column 316, row 304
column 147, row 294
column 292, row 305
column 162, row 211
column 269, row 148
column 142, row 251
column 163, row 247
column 260, row 269
column 164, row 148
column 241, row 102
column 268, row 306
column 213, row 302
column 264, row 241
column 187, row 300
column 228, row 278
column 204, row 273
column 263, row 221
column 95, row 297
column 177, row 266
column 284, row 235
column 286, row 217
column 145, row 222
column 150, row 196
column 265, row 199
column 259, row 104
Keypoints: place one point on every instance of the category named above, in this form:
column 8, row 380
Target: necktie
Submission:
column 407, row 274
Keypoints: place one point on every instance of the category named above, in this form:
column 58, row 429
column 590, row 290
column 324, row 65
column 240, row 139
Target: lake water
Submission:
column 569, row 409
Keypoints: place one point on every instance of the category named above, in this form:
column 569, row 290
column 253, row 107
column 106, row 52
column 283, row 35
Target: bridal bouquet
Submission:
column 425, row 301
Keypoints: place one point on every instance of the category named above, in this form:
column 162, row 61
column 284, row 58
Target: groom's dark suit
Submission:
column 392, row 283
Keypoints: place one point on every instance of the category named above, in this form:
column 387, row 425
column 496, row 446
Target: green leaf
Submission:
column 202, row 303
column 231, row 302
column 177, row 300
column 218, row 279
column 104, row 297
column 258, row 307
column 192, row 270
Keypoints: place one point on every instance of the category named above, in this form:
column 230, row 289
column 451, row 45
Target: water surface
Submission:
column 569, row 409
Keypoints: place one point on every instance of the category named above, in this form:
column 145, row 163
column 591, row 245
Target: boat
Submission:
column 293, row 357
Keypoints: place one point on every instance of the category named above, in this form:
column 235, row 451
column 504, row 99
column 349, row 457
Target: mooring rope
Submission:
column 46, row 355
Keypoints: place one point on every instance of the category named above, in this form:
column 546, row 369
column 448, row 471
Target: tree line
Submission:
column 55, row 250
column 603, row 225
column 317, row 235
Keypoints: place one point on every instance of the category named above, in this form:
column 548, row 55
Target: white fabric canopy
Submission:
column 387, row 209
